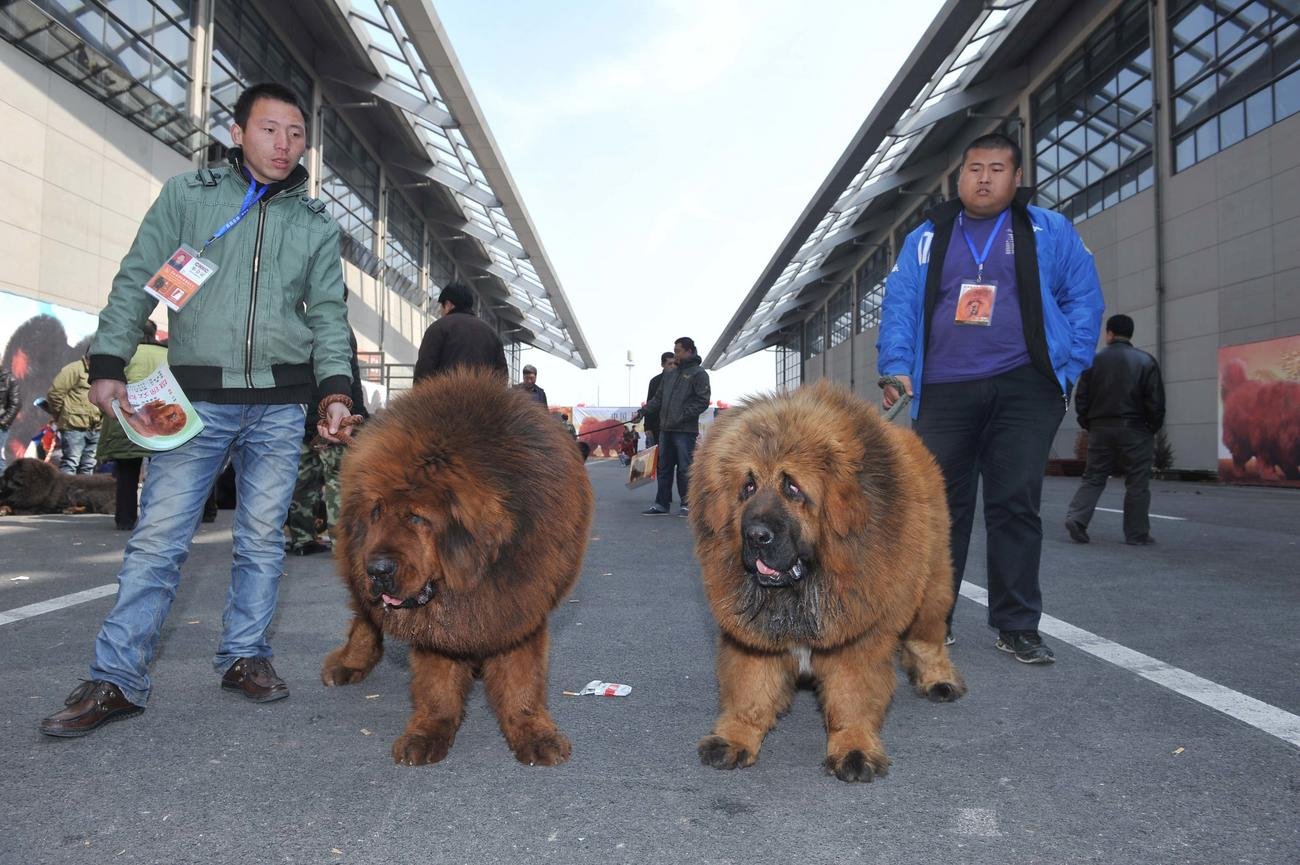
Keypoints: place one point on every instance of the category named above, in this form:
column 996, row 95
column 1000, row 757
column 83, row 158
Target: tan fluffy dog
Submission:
column 465, row 517
column 822, row 535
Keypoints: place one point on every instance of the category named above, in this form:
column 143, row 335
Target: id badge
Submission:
column 975, row 303
column 180, row 277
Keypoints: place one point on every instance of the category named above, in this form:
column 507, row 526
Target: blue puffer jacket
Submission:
column 1071, row 299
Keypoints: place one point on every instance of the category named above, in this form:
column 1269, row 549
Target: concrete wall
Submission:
column 75, row 181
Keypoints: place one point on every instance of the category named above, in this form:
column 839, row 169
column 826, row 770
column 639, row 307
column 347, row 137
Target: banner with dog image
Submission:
column 1259, row 412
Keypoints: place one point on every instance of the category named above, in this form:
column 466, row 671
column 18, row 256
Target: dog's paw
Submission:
column 545, row 749
column 334, row 672
column 717, row 752
column 414, row 749
column 6, row 511
column 943, row 692
column 857, row 766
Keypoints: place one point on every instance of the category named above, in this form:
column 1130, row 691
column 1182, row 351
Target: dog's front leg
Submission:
column 753, row 688
column 438, row 688
column 516, row 690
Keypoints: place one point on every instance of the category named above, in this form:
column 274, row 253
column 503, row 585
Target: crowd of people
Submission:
column 989, row 384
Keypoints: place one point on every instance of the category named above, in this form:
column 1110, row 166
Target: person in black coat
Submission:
column 1120, row 401
column 667, row 360
column 459, row 338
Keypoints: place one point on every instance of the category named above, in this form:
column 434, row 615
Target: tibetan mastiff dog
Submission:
column 822, row 536
column 31, row 486
column 465, row 515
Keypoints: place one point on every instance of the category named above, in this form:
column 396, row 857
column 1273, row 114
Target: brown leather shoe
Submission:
column 90, row 706
column 255, row 678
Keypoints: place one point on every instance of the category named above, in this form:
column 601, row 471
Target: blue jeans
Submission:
column 4, row 443
column 676, row 452
column 263, row 440
column 79, row 446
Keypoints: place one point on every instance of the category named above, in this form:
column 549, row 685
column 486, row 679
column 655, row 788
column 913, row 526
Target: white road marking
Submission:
column 17, row 614
column 1153, row 516
column 1258, row 714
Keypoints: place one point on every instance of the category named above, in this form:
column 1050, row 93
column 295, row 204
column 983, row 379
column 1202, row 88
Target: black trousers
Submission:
column 1131, row 449
column 997, row 430
column 128, row 485
column 676, row 453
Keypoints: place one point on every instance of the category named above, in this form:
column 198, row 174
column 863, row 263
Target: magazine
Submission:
column 164, row 418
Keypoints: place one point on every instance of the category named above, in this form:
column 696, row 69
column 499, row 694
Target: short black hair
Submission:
column 1120, row 325
column 528, row 367
column 994, row 141
column 460, row 295
column 265, row 90
column 665, row 357
column 686, row 342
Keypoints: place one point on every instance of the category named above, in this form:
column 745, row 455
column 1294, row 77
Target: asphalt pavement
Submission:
column 1104, row 757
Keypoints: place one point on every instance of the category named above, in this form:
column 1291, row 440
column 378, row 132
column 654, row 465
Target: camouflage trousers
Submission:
column 317, row 486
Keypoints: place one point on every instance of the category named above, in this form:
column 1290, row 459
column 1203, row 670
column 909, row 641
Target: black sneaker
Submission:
column 1078, row 531
column 1027, row 646
column 654, row 511
column 683, row 511
column 1141, row 541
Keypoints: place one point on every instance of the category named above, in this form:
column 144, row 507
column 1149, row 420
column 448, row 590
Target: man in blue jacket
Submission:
column 989, row 344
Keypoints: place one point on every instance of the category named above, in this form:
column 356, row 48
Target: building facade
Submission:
column 1166, row 129
column 101, row 102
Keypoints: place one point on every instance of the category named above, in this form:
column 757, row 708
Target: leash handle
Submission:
column 903, row 396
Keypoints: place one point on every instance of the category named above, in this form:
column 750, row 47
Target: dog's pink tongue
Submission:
column 391, row 601
column 764, row 569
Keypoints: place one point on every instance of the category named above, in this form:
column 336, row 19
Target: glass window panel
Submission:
column 1232, row 125
column 1287, row 96
column 1207, row 140
column 1259, row 111
column 1190, row 26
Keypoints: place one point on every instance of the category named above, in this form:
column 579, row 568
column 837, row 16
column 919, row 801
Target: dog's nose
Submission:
column 381, row 571
column 758, row 534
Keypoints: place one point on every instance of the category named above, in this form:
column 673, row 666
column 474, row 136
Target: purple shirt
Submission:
column 964, row 352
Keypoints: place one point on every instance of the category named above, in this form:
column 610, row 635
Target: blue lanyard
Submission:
column 251, row 197
column 988, row 245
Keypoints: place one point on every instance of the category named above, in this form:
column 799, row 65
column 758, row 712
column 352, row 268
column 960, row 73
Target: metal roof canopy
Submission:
column 393, row 60
column 961, row 62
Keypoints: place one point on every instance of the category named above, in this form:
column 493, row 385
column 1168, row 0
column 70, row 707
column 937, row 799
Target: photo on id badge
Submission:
column 975, row 303
column 179, row 278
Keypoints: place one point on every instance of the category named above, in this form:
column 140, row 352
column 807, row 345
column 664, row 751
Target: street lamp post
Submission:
column 630, row 364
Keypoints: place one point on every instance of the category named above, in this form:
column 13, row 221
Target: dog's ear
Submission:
column 845, row 505
column 478, row 526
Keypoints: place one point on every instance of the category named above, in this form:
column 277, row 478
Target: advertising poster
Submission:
column 163, row 417
column 1259, row 412
column 602, row 428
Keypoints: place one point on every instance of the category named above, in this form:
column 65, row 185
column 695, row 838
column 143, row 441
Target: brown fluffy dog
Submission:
column 465, row 515
column 31, row 486
column 822, row 535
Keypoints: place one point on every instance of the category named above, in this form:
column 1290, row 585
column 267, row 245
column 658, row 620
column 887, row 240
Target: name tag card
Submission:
column 180, row 277
column 975, row 303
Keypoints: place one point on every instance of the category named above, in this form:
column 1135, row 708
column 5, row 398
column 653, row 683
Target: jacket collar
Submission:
column 296, row 178
column 946, row 211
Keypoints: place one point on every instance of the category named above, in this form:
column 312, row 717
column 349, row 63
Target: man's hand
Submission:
column 333, row 429
column 104, row 390
column 890, row 395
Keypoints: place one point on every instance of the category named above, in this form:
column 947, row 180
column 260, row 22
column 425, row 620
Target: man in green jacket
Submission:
column 246, row 347
column 69, row 401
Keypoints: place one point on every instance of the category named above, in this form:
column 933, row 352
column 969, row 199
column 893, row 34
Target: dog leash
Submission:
column 903, row 396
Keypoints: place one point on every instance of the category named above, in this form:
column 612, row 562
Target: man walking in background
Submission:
column 459, row 338
column 529, row 385
column 1120, row 401
column 683, row 396
column 11, row 398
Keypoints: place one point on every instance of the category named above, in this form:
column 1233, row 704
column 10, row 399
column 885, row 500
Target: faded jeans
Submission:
column 263, row 440
column 79, row 447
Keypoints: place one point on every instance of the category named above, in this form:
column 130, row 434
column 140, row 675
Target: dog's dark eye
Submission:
column 748, row 489
column 792, row 490
column 418, row 521
column 374, row 514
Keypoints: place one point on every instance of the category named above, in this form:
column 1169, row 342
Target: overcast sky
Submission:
column 664, row 148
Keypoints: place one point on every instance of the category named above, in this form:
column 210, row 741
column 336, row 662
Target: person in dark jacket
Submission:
column 529, row 385
column 667, row 361
column 459, row 338
column 1120, row 401
column 11, row 398
column 683, row 396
